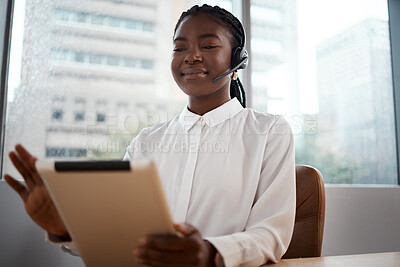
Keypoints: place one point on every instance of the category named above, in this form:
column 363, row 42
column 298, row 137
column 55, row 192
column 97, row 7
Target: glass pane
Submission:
column 82, row 84
column 226, row 4
column 332, row 78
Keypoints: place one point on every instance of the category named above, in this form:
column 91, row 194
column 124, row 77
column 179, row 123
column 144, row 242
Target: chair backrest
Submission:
column 310, row 214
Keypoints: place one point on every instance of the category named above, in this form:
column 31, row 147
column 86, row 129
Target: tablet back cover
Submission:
column 107, row 211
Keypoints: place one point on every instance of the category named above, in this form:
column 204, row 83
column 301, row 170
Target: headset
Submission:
column 239, row 58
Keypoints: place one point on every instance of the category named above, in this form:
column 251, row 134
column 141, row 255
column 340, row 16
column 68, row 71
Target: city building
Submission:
column 90, row 78
column 274, row 56
column 355, row 99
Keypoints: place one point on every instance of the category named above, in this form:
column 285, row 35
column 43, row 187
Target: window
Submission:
column 95, row 59
column 101, row 102
column 101, row 117
column 266, row 13
column 62, row 152
column 330, row 77
column 226, row 4
column 122, row 104
column 57, row 115
column 79, row 116
column 87, row 58
column 113, row 61
column 80, row 57
column 263, row 46
column 71, row 16
column 80, row 100
column 60, row 99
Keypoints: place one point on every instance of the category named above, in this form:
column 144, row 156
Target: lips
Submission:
column 194, row 73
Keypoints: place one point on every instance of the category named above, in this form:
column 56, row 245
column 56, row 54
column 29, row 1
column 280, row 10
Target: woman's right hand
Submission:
column 36, row 198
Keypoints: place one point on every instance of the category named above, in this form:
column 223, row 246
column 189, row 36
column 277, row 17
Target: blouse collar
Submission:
column 220, row 114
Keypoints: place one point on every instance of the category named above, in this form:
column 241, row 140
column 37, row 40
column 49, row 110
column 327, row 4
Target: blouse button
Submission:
column 201, row 119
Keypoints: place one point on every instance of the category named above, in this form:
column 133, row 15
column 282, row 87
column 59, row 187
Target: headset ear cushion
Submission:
column 238, row 55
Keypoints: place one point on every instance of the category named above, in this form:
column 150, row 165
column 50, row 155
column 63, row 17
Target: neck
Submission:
column 201, row 105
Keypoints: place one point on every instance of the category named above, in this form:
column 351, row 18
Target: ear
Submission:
column 239, row 57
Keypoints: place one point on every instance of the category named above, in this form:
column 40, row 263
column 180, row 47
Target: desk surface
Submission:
column 389, row 259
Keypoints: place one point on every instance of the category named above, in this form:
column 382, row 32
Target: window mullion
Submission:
column 247, row 73
column 6, row 11
column 394, row 26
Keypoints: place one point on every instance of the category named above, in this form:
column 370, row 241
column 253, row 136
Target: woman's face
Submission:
column 201, row 52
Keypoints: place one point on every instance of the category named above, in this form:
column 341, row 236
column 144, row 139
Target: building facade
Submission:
column 90, row 78
column 356, row 101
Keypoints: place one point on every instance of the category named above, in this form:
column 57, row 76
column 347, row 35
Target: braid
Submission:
column 237, row 90
column 242, row 93
column 233, row 25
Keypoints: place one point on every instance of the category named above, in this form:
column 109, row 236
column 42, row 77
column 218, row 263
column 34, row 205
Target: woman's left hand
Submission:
column 187, row 248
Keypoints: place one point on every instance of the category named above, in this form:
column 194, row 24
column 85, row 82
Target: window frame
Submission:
column 6, row 11
column 242, row 9
column 394, row 34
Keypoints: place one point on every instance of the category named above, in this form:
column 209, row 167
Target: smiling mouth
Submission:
column 194, row 74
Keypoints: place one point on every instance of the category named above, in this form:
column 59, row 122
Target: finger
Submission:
column 17, row 186
column 164, row 242
column 29, row 161
column 165, row 257
column 185, row 229
column 35, row 174
column 20, row 166
column 22, row 151
column 148, row 262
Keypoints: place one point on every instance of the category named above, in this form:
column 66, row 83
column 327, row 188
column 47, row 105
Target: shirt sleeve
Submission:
column 130, row 150
column 269, row 229
column 66, row 245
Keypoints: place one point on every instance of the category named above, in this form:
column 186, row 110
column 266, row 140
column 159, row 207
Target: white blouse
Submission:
column 231, row 174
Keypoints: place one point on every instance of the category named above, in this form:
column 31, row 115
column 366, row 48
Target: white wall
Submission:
column 21, row 241
column 361, row 220
column 358, row 220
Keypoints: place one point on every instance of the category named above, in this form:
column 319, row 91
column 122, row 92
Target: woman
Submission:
column 227, row 171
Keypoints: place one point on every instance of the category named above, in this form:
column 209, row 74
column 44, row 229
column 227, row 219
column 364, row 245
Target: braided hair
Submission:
column 233, row 25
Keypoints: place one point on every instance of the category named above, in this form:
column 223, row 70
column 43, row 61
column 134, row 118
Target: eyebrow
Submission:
column 203, row 36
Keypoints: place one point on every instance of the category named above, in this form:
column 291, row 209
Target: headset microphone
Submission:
column 244, row 61
column 239, row 56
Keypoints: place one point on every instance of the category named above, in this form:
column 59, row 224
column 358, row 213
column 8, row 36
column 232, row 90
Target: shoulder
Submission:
column 266, row 122
column 156, row 131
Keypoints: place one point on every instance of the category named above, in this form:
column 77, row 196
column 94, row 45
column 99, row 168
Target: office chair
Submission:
column 310, row 214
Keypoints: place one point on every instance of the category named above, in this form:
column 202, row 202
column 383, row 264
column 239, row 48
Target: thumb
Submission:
column 185, row 229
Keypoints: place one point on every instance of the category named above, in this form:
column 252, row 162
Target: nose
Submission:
column 193, row 57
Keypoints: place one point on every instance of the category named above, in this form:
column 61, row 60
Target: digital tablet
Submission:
column 107, row 206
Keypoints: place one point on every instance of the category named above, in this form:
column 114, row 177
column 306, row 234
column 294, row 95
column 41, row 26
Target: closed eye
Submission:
column 178, row 49
column 209, row 46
